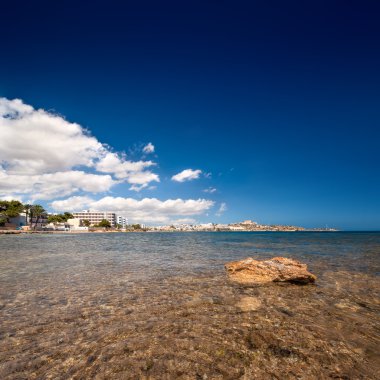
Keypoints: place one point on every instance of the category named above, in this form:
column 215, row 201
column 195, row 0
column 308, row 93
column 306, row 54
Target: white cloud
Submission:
column 52, row 185
column 187, row 175
column 43, row 156
column 132, row 172
column 222, row 209
column 138, row 188
column 142, row 178
column 210, row 190
column 121, row 168
column 146, row 210
column 35, row 141
column 149, row 148
column 185, row 221
column 76, row 203
column 12, row 198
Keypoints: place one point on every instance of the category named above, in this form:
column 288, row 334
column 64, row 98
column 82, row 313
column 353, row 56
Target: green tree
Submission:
column 10, row 209
column 86, row 223
column 68, row 215
column 104, row 223
column 118, row 226
column 2, row 220
column 60, row 218
column 55, row 219
column 3, row 212
column 136, row 226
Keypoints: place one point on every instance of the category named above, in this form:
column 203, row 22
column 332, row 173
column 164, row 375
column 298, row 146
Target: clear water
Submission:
column 159, row 306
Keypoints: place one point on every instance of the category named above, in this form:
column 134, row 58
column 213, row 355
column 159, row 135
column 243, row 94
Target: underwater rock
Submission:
column 278, row 269
column 249, row 304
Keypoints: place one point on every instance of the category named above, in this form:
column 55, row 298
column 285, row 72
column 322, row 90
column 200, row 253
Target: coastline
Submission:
column 18, row 232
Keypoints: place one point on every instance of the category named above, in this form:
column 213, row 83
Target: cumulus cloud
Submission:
column 72, row 204
column 149, row 148
column 35, row 141
column 187, row 175
column 45, row 157
column 142, row 178
column 52, row 185
column 121, row 168
column 210, row 190
column 132, row 172
column 42, row 155
column 146, row 210
column 222, row 209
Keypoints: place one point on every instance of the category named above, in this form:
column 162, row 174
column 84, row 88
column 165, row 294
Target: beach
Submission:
column 159, row 306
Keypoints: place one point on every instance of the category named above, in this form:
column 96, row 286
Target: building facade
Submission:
column 95, row 217
column 34, row 222
column 122, row 220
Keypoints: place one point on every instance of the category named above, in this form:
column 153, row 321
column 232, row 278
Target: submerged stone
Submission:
column 278, row 269
column 249, row 303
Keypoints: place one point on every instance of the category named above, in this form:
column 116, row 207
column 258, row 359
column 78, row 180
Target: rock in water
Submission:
column 278, row 269
column 249, row 304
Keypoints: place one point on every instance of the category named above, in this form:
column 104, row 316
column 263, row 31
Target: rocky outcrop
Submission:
column 278, row 269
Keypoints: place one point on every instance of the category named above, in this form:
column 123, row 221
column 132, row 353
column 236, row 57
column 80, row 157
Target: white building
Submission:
column 122, row 220
column 95, row 217
column 75, row 225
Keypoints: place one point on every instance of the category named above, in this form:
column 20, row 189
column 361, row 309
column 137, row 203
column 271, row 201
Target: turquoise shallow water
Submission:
column 151, row 254
column 158, row 305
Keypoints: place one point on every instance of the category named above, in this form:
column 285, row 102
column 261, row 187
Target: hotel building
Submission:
column 96, row 217
column 122, row 220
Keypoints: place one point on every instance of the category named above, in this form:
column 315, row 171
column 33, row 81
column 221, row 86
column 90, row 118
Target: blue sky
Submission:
column 277, row 104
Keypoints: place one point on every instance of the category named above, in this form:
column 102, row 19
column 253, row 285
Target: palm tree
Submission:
column 27, row 209
column 37, row 211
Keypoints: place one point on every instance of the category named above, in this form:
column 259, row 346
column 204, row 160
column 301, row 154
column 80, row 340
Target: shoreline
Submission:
column 20, row 232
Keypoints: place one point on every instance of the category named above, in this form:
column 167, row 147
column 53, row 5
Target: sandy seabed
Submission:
column 159, row 306
column 191, row 328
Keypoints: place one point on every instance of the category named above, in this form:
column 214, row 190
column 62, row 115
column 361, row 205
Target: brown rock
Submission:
column 249, row 303
column 278, row 269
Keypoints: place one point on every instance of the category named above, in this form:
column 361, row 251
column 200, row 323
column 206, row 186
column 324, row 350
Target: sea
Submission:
column 160, row 306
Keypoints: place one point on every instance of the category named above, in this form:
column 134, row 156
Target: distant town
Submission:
column 247, row 225
column 17, row 217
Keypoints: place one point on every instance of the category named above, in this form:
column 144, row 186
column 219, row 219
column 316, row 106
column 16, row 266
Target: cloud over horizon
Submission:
column 146, row 210
column 44, row 157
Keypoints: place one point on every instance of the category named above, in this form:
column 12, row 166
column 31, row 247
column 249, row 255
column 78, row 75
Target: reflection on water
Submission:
column 158, row 306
